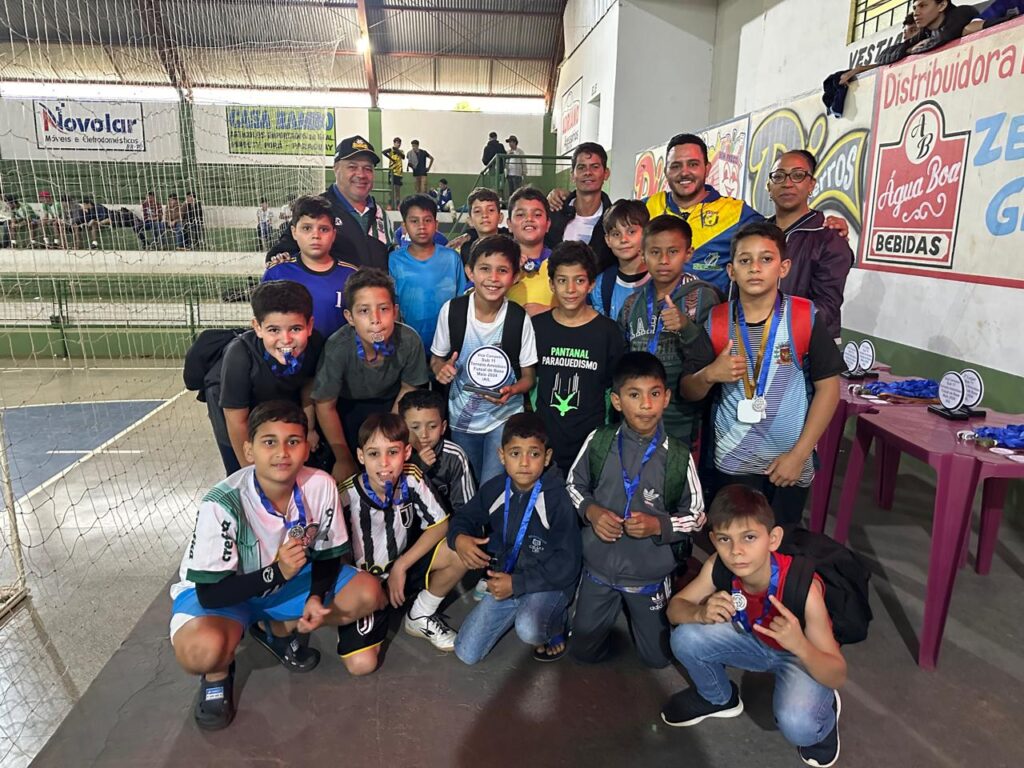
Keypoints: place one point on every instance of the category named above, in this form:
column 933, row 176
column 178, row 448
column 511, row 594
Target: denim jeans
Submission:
column 803, row 706
column 482, row 451
column 537, row 617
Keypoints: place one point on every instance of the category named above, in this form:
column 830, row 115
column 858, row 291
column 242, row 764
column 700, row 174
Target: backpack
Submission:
column 843, row 572
column 677, row 469
column 511, row 330
column 608, row 279
column 801, row 319
column 205, row 353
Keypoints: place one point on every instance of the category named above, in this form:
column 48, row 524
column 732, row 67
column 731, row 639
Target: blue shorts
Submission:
column 286, row 604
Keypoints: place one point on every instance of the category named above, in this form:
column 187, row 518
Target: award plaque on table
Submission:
column 859, row 359
column 974, row 391
column 952, row 395
column 488, row 369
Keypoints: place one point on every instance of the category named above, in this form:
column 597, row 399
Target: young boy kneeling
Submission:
column 249, row 561
column 749, row 628
column 383, row 504
column 536, row 546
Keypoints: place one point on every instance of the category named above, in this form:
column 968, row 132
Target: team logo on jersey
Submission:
column 405, row 515
column 785, row 354
column 338, row 222
column 364, row 626
column 658, row 600
column 650, row 496
column 268, row 574
column 536, row 545
column 708, row 218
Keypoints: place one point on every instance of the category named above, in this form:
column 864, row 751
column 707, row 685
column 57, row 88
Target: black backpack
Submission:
column 511, row 330
column 844, row 574
column 205, row 353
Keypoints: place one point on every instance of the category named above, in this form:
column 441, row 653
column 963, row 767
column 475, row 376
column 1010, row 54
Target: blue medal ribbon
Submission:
column 288, row 524
column 649, row 292
column 741, row 617
column 533, row 265
column 925, row 389
column 513, row 555
column 389, row 492
column 1010, row 436
column 759, row 368
column 382, row 348
column 630, row 484
column 291, row 365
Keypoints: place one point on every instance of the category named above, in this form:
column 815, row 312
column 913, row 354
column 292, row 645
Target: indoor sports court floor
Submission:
column 86, row 663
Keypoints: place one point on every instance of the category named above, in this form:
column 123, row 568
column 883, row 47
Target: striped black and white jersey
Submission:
column 380, row 535
column 451, row 475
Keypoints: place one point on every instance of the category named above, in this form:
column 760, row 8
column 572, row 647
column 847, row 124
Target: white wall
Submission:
column 457, row 139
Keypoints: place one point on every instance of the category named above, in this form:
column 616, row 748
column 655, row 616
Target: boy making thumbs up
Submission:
column 664, row 318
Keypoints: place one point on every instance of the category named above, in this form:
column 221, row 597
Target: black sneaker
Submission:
column 292, row 651
column 215, row 704
column 825, row 752
column 689, row 708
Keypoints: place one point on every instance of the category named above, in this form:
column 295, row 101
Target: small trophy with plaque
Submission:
column 859, row 359
column 952, row 396
column 488, row 369
column 973, row 392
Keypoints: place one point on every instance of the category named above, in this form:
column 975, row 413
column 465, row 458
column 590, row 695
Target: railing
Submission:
column 870, row 16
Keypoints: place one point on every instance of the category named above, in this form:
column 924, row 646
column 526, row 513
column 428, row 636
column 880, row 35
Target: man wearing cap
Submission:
column 515, row 167
column 361, row 228
column 51, row 215
column 492, row 148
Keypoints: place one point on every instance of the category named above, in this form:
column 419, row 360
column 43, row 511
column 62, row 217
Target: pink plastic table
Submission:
column 958, row 468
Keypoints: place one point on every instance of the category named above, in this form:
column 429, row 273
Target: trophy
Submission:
column 488, row 369
column 859, row 359
column 952, row 395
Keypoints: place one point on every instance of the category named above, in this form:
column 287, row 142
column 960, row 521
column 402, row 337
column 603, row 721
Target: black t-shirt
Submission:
column 246, row 379
column 574, row 371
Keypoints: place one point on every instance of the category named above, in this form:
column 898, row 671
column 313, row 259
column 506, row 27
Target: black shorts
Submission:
column 373, row 630
column 395, row 181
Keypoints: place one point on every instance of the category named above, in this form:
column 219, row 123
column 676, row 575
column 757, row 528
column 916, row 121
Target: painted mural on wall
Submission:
column 947, row 192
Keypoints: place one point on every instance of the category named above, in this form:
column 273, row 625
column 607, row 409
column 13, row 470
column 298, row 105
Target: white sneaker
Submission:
column 480, row 590
column 433, row 628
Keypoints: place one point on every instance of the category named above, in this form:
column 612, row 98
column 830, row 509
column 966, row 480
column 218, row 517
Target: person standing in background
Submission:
column 420, row 163
column 396, row 160
column 516, row 166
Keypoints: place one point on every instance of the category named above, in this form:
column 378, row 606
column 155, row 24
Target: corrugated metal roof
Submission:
column 115, row 22
column 208, row 23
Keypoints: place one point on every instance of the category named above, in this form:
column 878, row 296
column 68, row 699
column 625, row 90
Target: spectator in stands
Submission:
column 396, row 161
column 193, row 221
column 51, row 219
column 820, row 259
column 5, row 224
column 263, row 227
column 443, row 196
column 420, row 163
column 153, row 217
column 91, row 216
column 284, row 217
column 172, row 217
column 579, row 218
column 996, row 13
column 70, row 210
column 23, row 218
column 362, row 228
column 492, row 149
column 515, row 168
column 910, row 30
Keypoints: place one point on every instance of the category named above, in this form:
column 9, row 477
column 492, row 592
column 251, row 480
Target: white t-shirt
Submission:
column 514, row 164
column 582, row 227
column 263, row 216
column 235, row 533
column 469, row 411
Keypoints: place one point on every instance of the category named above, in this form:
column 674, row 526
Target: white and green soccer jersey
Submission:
column 235, row 534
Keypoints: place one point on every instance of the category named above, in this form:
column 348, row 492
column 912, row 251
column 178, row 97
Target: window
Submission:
column 870, row 16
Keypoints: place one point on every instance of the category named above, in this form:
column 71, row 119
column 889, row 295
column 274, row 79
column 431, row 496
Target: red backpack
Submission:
column 800, row 320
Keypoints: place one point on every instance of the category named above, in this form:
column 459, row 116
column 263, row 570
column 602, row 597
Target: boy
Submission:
column 426, row 274
column 778, row 370
column 267, row 547
column 529, row 220
column 751, row 629
column 636, row 490
column 367, row 365
column 484, row 219
column 172, row 217
column 276, row 360
column 396, row 160
column 312, row 226
column 532, row 550
column 663, row 317
column 443, row 462
column 485, row 325
column 383, row 505
column 51, row 218
column 624, row 226
column 577, row 350
column 443, row 195
column 264, row 229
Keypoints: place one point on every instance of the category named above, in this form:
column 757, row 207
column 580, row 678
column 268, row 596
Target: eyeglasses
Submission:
column 796, row 175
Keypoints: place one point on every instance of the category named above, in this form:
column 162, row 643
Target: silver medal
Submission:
column 739, row 601
column 530, row 266
column 759, row 404
column 296, row 532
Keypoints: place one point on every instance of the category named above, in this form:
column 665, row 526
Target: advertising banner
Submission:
column 89, row 125
column 570, row 122
column 280, row 130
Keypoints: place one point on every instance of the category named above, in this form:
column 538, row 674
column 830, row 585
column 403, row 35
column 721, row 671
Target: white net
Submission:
column 101, row 293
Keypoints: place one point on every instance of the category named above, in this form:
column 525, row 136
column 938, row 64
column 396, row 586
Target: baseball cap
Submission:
column 355, row 145
column 514, row 138
column 45, row 193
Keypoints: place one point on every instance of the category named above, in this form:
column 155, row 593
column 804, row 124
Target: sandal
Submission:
column 215, row 704
column 544, row 655
column 292, row 651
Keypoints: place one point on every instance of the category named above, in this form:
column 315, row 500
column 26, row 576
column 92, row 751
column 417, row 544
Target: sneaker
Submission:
column 689, row 708
column 825, row 752
column 433, row 628
column 215, row 704
column 480, row 590
column 292, row 651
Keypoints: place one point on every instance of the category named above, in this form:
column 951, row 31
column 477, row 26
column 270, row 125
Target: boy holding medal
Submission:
column 749, row 628
column 398, row 534
column 366, row 366
column 529, row 219
column 778, row 370
column 664, row 317
column 530, row 547
column 266, row 553
column 636, row 489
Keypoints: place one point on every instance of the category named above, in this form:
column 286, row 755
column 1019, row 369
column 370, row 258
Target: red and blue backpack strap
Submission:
column 801, row 320
column 719, row 320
